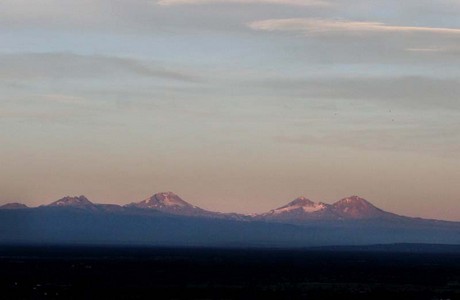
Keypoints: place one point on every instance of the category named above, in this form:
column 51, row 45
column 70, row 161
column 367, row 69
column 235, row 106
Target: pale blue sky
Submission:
column 236, row 105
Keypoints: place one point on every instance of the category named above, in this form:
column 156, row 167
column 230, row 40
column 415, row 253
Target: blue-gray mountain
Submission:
column 167, row 220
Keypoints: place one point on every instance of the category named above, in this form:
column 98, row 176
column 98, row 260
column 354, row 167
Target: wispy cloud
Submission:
column 402, row 91
column 435, row 50
column 68, row 65
column 310, row 26
column 425, row 49
column 428, row 139
column 277, row 2
column 40, row 116
column 64, row 99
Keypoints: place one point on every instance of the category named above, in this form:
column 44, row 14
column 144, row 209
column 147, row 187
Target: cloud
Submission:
column 310, row 26
column 39, row 116
column 423, row 139
column 425, row 50
column 65, row 99
column 28, row 66
column 18, row 12
column 278, row 2
column 412, row 92
column 446, row 50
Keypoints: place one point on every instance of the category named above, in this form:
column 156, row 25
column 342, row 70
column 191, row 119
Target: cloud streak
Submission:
column 28, row 66
column 435, row 50
column 311, row 26
column 276, row 2
column 425, row 139
column 403, row 91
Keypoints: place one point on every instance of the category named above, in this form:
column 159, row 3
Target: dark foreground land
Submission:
column 399, row 272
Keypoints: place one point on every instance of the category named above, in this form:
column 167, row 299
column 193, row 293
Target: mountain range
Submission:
column 298, row 210
column 166, row 219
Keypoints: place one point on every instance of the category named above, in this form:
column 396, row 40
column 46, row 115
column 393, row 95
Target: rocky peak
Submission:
column 356, row 207
column 301, row 201
column 166, row 201
column 300, row 205
column 80, row 201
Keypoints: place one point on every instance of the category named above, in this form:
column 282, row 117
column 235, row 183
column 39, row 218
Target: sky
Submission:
column 235, row 105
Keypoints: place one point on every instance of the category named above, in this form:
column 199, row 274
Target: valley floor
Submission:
column 197, row 273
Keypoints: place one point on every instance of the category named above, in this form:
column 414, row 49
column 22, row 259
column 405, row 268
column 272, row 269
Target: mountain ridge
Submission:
column 165, row 219
column 301, row 209
column 13, row 205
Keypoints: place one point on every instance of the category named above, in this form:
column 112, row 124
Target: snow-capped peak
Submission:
column 79, row 201
column 299, row 204
column 171, row 203
column 356, row 207
column 353, row 201
column 301, row 201
column 164, row 201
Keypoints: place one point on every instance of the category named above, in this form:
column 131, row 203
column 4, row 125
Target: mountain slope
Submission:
column 14, row 205
column 297, row 210
column 171, row 203
column 76, row 202
column 165, row 219
column 303, row 210
column 82, row 203
column 355, row 207
column 168, row 202
column 48, row 225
